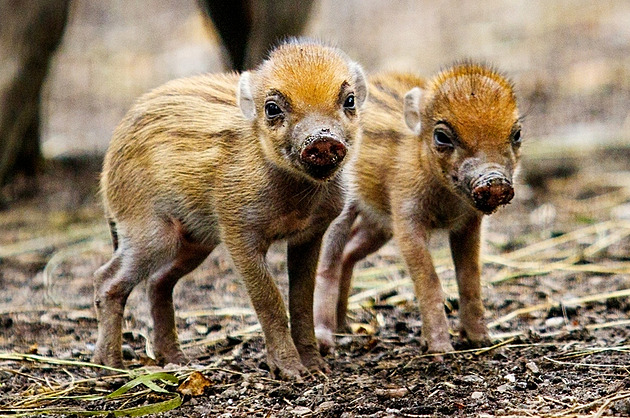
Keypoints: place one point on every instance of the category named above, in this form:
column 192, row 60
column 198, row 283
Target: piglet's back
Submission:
column 177, row 133
column 383, row 130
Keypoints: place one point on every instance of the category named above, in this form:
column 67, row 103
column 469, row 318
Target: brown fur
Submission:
column 186, row 170
column 405, row 184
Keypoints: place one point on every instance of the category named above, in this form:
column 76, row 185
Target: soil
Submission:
column 558, row 315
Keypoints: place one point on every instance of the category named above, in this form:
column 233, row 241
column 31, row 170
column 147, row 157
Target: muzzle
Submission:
column 321, row 154
column 489, row 187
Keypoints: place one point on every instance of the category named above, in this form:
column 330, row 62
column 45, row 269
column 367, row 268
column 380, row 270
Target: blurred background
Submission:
column 569, row 59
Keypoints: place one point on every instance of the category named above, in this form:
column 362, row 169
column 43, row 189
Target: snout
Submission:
column 322, row 154
column 491, row 190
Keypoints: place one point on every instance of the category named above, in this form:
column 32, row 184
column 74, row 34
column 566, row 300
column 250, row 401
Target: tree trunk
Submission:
column 249, row 28
column 30, row 31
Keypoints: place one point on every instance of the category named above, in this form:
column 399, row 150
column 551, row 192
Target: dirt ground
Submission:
column 556, row 281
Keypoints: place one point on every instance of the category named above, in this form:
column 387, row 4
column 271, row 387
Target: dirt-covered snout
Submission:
column 320, row 145
column 487, row 185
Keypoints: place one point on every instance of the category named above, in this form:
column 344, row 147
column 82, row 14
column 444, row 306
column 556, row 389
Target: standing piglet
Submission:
column 244, row 160
column 434, row 155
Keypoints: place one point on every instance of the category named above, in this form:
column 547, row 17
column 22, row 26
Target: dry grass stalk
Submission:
column 219, row 337
column 72, row 235
column 551, row 304
column 222, row 312
column 605, row 234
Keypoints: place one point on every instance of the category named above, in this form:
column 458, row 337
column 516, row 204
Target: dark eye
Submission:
column 272, row 110
column 442, row 138
column 516, row 138
column 349, row 103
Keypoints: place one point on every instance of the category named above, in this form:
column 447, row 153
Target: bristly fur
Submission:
column 302, row 40
column 407, row 183
column 197, row 162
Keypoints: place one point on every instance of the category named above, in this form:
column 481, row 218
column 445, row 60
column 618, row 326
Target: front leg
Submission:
column 330, row 281
column 302, row 266
column 412, row 239
column 248, row 255
column 465, row 244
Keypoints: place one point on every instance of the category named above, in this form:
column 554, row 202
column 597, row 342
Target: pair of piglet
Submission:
column 247, row 160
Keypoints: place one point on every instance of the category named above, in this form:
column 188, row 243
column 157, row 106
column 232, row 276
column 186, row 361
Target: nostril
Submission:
column 338, row 149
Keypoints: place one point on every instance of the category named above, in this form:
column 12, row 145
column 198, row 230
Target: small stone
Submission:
column 201, row 329
column 301, row 410
column 532, row 367
column 510, row 377
column 555, row 322
column 230, row 394
column 392, row 393
column 503, row 388
column 324, row 406
column 472, row 378
column 44, row 351
column 521, row 385
column 477, row 395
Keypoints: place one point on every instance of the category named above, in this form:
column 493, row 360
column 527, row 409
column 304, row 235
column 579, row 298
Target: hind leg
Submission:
column 160, row 292
column 112, row 285
column 326, row 294
column 366, row 238
column 159, row 252
column 335, row 274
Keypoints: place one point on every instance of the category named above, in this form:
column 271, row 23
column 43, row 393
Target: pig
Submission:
column 243, row 160
column 436, row 154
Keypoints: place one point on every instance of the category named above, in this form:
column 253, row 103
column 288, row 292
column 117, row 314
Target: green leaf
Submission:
column 147, row 380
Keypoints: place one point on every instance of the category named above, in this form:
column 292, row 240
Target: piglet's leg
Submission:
column 248, row 254
column 302, row 265
column 465, row 244
column 329, row 276
column 113, row 283
column 412, row 240
column 160, row 292
column 366, row 238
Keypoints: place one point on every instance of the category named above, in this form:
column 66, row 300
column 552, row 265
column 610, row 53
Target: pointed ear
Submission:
column 245, row 98
column 411, row 109
column 360, row 83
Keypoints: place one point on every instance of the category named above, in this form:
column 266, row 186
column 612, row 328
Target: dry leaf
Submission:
column 195, row 385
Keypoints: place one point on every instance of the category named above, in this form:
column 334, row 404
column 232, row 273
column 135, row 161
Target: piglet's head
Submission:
column 468, row 121
column 304, row 103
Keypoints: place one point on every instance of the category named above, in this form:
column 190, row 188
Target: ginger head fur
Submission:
column 301, row 91
column 466, row 116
